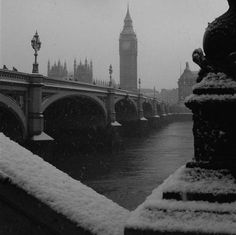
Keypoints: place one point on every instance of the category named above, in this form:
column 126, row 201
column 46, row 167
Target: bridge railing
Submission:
column 9, row 75
column 14, row 75
column 68, row 83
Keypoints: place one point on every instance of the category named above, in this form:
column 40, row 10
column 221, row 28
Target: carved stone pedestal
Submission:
column 213, row 104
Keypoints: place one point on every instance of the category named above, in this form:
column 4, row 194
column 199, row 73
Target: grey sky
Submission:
column 167, row 30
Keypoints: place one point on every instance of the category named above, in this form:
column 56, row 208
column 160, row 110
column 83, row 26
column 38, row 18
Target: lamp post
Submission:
column 139, row 86
column 36, row 45
column 110, row 75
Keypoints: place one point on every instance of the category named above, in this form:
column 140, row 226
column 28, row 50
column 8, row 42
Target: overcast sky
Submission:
column 167, row 30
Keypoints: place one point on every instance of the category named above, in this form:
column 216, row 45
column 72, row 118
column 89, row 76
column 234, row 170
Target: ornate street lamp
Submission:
column 139, row 86
column 110, row 74
column 36, row 45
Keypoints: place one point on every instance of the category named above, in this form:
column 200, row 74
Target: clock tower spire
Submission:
column 128, row 55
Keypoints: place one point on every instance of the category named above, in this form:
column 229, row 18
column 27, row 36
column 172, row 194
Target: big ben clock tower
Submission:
column 128, row 55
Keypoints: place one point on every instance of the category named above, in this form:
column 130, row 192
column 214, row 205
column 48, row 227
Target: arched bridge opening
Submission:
column 11, row 125
column 126, row 111
column 147, row 110
column 75, row 120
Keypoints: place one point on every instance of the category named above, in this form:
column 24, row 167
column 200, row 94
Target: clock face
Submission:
column 126, row 45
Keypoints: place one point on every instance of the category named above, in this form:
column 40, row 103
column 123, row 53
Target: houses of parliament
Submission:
column 83, row 72
column 128, row 52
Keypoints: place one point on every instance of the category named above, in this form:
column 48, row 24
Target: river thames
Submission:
column 129, row 176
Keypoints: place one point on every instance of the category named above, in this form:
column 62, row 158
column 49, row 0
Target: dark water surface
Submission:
column 144, row 164
column 129, row 176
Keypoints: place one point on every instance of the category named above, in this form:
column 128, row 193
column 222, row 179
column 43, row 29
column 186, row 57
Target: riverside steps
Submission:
column 200, row 197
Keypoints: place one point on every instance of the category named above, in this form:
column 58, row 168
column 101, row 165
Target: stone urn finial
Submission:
column 213, row 101
column 219, row 44
column 231, row 3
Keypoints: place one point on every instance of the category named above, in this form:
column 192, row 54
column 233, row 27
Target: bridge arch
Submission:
column 10, row 105
column 130, row 100
column 60, row 96
column 74, row 119
column 147, row 109
column 126, row 109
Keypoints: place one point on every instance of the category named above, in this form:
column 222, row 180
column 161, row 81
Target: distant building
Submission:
column 169, row 96
column 149, row 92
column 57, row 71
column 128, row 55
column 83, row 72
column 186, row 82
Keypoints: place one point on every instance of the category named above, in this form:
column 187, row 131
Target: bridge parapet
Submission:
column 14, row 76
column 33, row 93
column 67, row 84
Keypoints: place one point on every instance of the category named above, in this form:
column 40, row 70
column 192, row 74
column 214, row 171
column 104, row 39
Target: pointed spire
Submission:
column 65, row 72
column 187, row 66
column 91, row 69
column 128, row 23
column 48, row 68
column 128, row 17
column 74, row 68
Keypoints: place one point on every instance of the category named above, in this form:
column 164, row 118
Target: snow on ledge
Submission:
column 59, row 191
column 197, row 180
column 216, row 80
column 213, row 98
column 157, row 214
column 183, row 217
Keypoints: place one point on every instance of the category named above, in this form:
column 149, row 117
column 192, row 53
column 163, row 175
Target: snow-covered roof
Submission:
column 67, row 196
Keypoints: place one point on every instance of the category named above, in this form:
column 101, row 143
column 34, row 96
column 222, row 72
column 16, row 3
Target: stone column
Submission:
column 35, row 118
column 111, row 108
column 140, row 108
column 155, row 120
column 155, row 113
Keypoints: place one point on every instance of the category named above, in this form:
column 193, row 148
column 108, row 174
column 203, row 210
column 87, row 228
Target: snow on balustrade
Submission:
column 216, row 80
column 188, row 216
column 59, row 191
column 197, row 180
column 183, row 217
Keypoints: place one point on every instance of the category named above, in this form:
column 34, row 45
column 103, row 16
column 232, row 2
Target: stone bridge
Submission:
column 32, row 103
